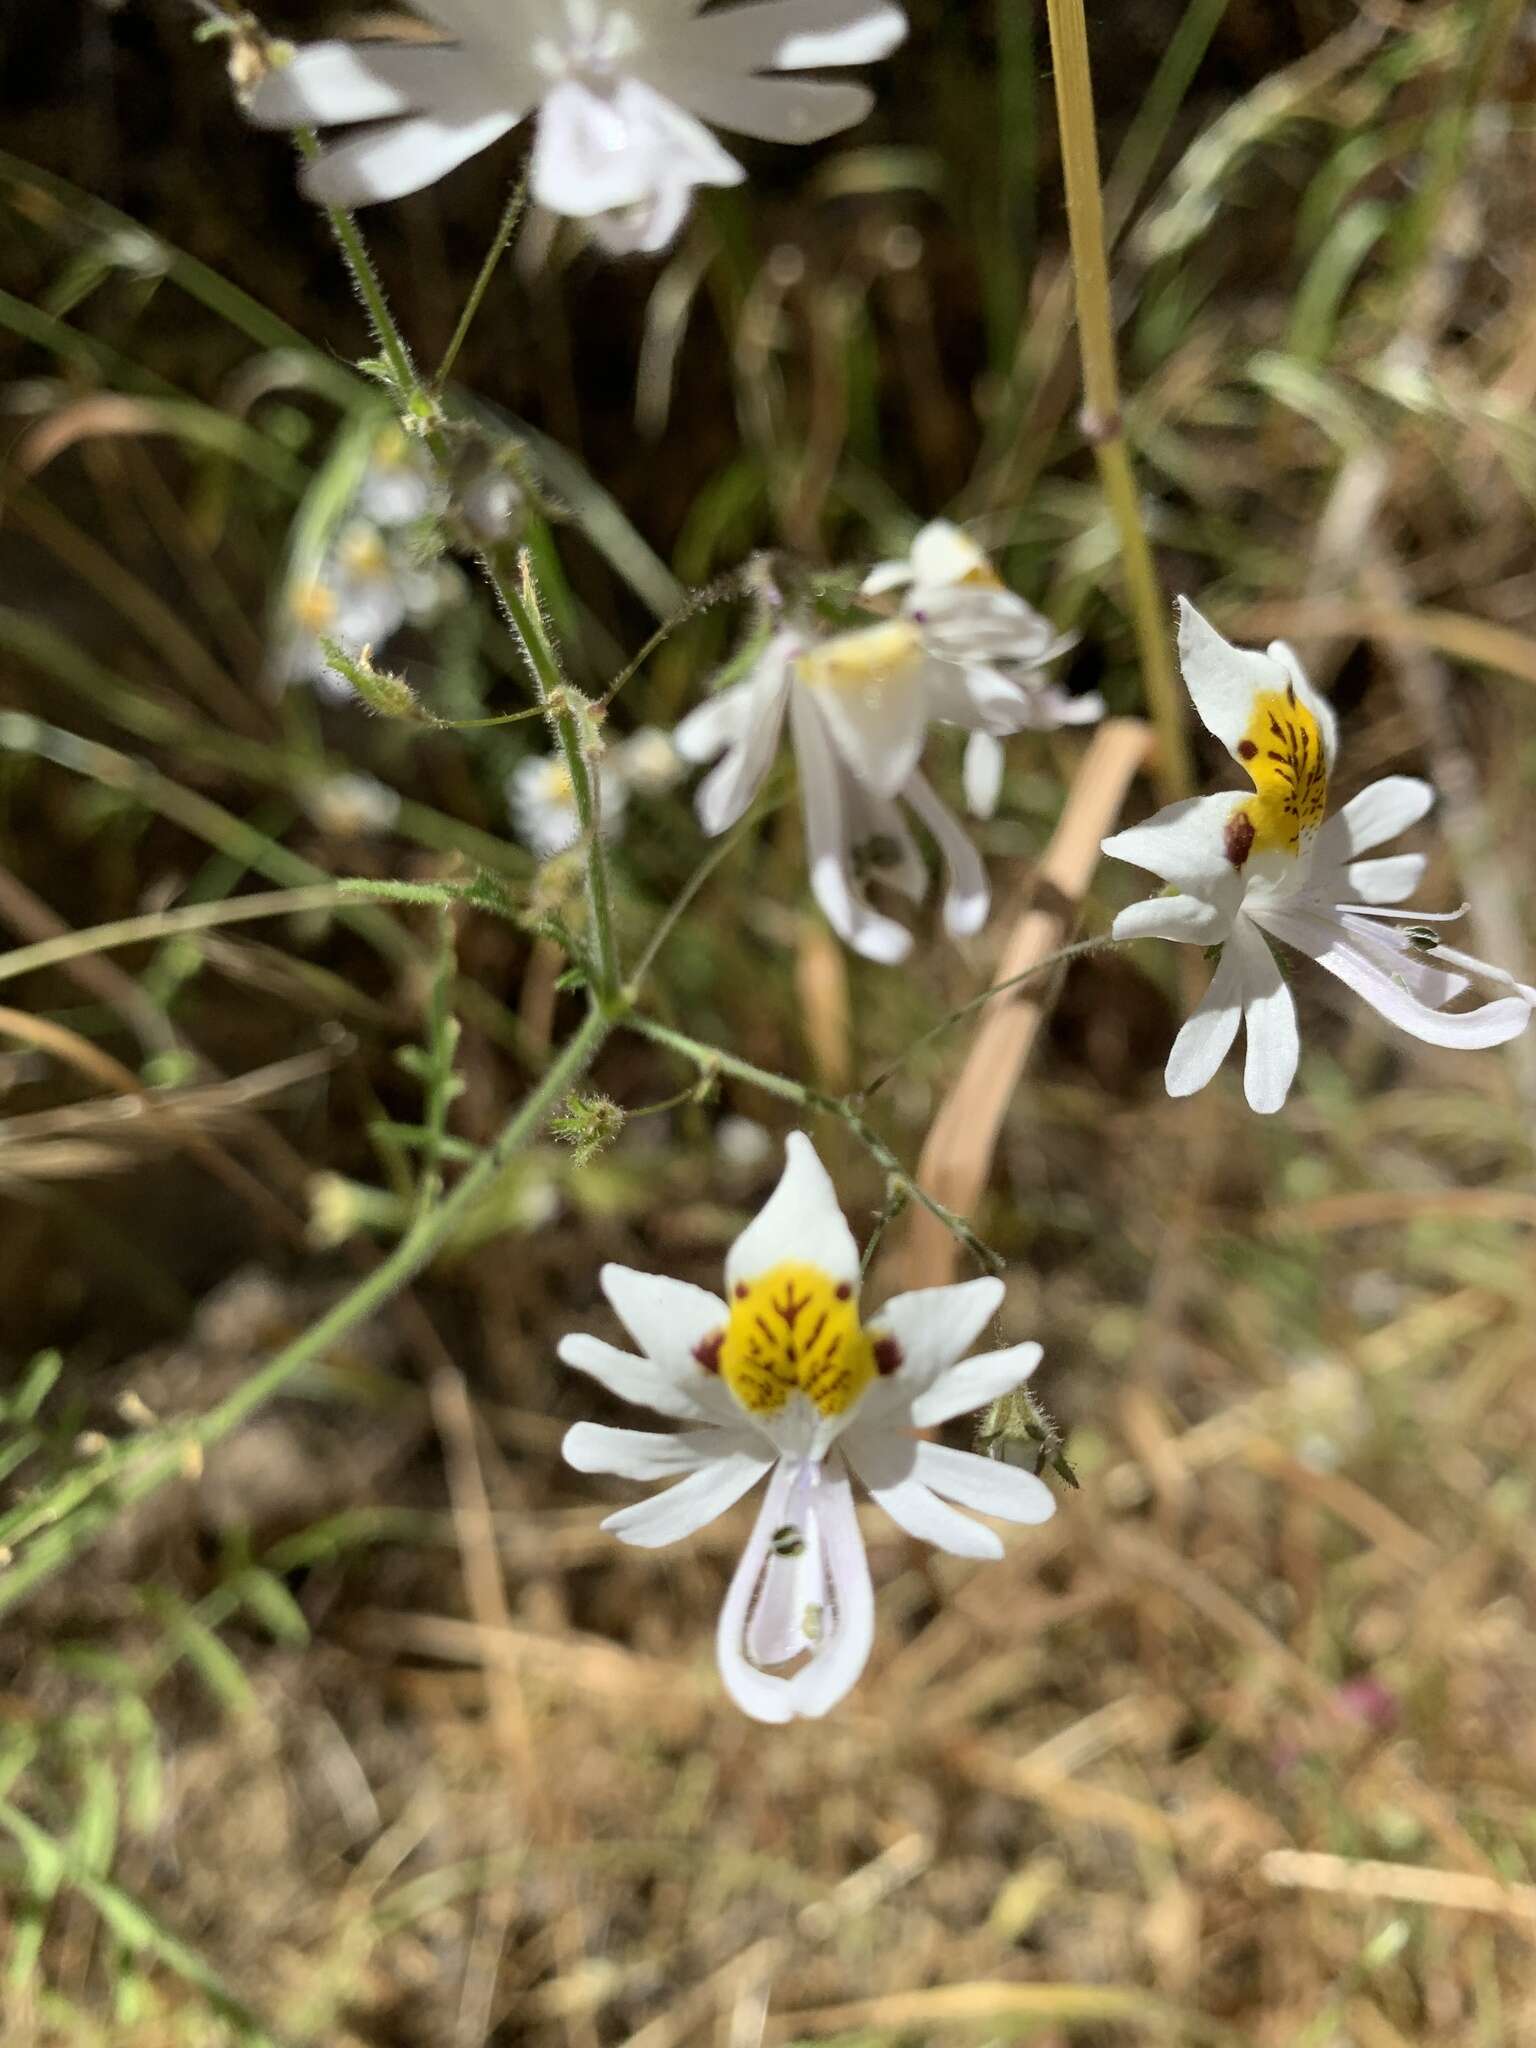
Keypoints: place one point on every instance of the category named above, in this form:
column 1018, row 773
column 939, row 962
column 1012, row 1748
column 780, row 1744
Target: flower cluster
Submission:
column 367, row 581
column 783, row 1380
column 541, row 801
column 963, row 650
column 1242, row 870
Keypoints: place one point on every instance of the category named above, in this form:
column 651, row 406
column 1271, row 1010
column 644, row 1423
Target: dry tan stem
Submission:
column 1348, row 1877
column 957, row 1157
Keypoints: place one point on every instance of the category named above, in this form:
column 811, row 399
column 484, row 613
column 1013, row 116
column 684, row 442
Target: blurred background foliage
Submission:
column 362, row 1731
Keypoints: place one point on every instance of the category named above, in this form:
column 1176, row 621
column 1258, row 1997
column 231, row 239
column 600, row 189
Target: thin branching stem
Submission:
column 1103, row 421
column 511, row 213
column 713, row 1059
column 519, row 601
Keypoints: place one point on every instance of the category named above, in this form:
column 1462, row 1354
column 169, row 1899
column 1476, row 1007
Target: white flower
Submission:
column 989, row 651
column 785, row 1381
column 649, row 761
column 621, row 88
column 542, row 803
column 857, row 709
column 353, row 806
column 1241, row 867
column 359, row 597
column 399, row 484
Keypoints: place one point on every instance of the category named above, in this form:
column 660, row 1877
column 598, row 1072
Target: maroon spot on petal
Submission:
column 887, row 1355
column 707, row 1350
column 742, row 1290
column 1238, row 838
column 843, row 1291
column 1246, row 750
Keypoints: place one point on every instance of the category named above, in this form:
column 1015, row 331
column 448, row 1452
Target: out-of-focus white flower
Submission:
column 784, row 1381
column 857, row 712
column 1243, row 869
column 353, row 806
column 988, row 651
column 622, row 90
column 649, row 761
column 399, row 484
column 742, row 1143
column 491, row 503
column 358, row 599
column 542, row 803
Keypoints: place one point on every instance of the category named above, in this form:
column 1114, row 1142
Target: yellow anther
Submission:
column 1284, row 753
column 795, row 1330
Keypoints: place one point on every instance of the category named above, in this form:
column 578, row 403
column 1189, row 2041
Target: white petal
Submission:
column 692, row 1504
column 935, row 1326
column 770, row 109
column 1189, row 920
column 647, row 227
column 788, row 1587
column 974, row 1384
column 598, row 152
column 982, row 776
column 945, row 553
column 640, row 1453
column 1223, row 680
column 587, row 158
column 1056, row 708
column 788, row 35
column 330, row 82
column 1391, row 880
column 1269, row 1017
column 800, row 1221
column 843, row 1652
column 1426, row 975
column 1207, row 1035
column 1346, row 953
column 1184, row 844
column 988, row 1485
column 886, row 577
column 700, row 1398
column 833, row 881
column 868, row 687
column 870, row 821
column 886, row 1461
column 756, row 1692
column 969, row 896
column 404, row 156
column 719, row 722
column 840, row 1657
column 1380, row 811
column 967, row 622
column 751, row 718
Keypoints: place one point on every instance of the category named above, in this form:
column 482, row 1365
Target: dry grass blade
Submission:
column 988, row 2004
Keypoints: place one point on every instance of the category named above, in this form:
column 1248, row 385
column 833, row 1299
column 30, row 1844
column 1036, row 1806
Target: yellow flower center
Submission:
column 1283, row 752
column 796, row 1330
column 363, row 554
column 984, row 577
column 866, row 659
column 557, row 786
column 314, row 607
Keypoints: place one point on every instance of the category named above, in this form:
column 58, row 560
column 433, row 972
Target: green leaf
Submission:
column 273, row 1605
